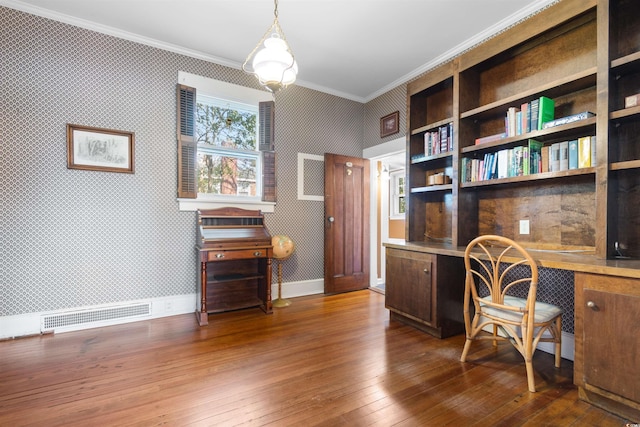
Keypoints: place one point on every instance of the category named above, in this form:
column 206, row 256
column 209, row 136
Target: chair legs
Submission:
column 465, row 350
column 530, row 376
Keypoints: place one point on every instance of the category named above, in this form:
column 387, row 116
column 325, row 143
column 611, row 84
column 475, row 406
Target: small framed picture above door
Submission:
column 390, row 124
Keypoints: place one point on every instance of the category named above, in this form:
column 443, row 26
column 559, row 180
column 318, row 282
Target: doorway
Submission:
column 386, row 160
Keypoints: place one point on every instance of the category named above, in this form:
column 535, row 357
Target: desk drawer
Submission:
column 237, row 254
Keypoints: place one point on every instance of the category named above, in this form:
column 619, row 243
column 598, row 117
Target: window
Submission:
column 398, row 203
column 229, row 162
column 225, row 145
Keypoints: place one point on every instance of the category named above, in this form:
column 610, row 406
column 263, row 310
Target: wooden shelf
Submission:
column 432, row 188
column 431, row 159
column 233, row 278
column 530, row 178
column 573, row 83
column 431, row 126
column 626, row 62
column 631, row 164
column 544, row 135
column 627, row 113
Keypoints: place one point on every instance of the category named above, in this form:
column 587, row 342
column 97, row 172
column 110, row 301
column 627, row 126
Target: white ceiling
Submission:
column 356, row 49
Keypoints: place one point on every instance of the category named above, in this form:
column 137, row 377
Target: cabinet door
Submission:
column 612, row 342
column 408, row 287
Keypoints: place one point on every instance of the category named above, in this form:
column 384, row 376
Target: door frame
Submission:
column 375, row 153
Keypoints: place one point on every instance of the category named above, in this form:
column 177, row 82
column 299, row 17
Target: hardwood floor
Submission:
column 323, row 361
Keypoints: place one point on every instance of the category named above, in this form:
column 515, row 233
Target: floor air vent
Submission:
column 88, row 318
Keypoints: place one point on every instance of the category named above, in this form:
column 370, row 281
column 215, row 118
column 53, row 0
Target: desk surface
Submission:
column 575, row 261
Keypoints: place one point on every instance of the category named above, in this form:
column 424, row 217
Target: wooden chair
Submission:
column 496, row 268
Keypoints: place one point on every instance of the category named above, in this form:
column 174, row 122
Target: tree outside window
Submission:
column 228, row 156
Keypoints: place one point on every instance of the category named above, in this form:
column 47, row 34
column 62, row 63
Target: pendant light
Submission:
column 272, row 61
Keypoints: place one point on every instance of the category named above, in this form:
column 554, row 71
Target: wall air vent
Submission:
column 84, row 319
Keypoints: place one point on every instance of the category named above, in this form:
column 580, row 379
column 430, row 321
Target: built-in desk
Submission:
column 606, row 315
column 575, row 261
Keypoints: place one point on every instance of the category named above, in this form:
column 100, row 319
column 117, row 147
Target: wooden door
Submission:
column 611, row 342
column 346, row 223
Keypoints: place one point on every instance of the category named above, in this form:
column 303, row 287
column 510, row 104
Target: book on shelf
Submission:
column 573, row 154
column 545, row 158
column 525, row 117
column 503, row 158
column 546, row 111
column 463, row 169
column 593, row 151
column 534, row 106
column 439, row 140
column 517, row 161
column 564, row 155
column 554, row 155
column 535, row 155
column 510, row 122
column 490, row 138
column 584, row 152
column 569, row 119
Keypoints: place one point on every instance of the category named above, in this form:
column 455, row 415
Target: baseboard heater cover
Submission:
column 80, row 319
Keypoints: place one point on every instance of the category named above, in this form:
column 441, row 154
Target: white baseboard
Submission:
column 30, row 323
column 27, row 324
column 298, row 289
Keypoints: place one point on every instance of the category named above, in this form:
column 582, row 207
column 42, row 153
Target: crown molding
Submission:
column 533, row 8
column 508, row 22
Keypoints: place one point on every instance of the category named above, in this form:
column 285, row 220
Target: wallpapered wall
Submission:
column 73, row 238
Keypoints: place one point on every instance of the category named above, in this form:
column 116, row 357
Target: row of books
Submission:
column 530, row 116
column 439, row 140
column 574, row 154
column 505, row 163
column 535, row 157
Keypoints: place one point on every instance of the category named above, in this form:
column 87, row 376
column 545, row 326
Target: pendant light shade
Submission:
column 272, row 61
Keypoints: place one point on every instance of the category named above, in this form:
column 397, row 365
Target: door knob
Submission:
column 331, row 219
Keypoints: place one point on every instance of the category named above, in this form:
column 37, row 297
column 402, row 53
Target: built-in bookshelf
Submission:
column 430, row 156
column 623, row 130
column 582, row 55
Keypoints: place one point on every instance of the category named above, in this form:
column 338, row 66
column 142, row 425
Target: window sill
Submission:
column 195, row 204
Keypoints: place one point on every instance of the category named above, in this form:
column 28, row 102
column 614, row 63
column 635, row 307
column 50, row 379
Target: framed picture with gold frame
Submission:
column 98, row 149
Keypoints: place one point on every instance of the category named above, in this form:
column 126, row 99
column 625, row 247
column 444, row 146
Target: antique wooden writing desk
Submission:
column 234, row 251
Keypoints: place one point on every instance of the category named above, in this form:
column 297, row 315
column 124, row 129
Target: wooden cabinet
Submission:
column 234, row 254
column 425, row 291
column 607, row 372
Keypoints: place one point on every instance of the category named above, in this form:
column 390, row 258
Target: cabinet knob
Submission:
column 426, row 270
column 592, row 305
column 219, row 255
column 257, row 253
